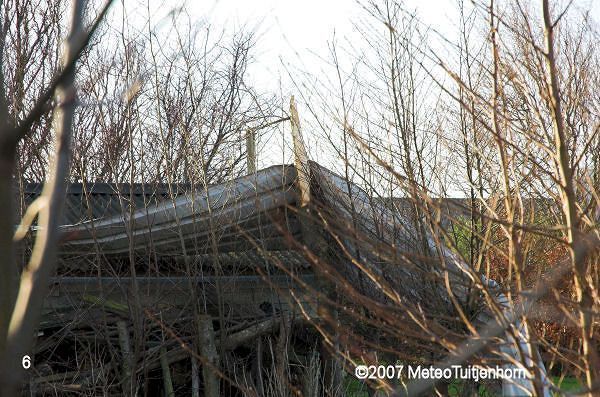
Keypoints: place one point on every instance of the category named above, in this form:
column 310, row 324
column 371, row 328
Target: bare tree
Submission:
column 520, row 161
column 20, row 313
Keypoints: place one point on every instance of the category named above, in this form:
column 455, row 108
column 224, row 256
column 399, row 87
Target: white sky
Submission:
column 286, row 29
column 287, row 32
column 295, row 31
column 301, row 27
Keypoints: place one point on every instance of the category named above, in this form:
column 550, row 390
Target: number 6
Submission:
column 26, row 362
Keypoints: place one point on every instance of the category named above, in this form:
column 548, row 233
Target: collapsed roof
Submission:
column 259, row 214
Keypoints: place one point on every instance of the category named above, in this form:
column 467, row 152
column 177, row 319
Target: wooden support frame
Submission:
column 300, row 157
column 314, row 240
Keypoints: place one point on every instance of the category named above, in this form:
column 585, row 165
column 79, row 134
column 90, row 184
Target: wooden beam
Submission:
column 126, row 354
column 244, row 293
column 252, row 332
column 195, row 378
column 251, row 159
column 208, row 350
column 312, row 233
column 251, row 151
column 245, row 336
column 168, row 383
column 300, row 157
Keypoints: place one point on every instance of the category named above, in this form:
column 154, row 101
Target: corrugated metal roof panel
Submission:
column 163, row 225
column 91, row 200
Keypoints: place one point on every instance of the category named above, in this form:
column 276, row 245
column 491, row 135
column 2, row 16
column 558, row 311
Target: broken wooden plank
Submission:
column 300, row 157
column 107, row 304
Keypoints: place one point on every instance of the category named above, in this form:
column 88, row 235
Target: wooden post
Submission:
column 169, row 392
column 126, row 353
column 208, row 350
column 195, row 378
column 300, row 157
column 250, row 151
column 314, row 240
column 257, row 367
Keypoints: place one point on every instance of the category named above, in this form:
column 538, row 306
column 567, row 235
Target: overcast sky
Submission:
column 288, row 32
column 293, row 29
column 285, row 29
column 293, row 32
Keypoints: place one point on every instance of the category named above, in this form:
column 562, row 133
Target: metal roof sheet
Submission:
column 191, row 217
column 95, row 200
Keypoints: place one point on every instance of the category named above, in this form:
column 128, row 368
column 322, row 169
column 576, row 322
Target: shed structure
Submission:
column 179, row 267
